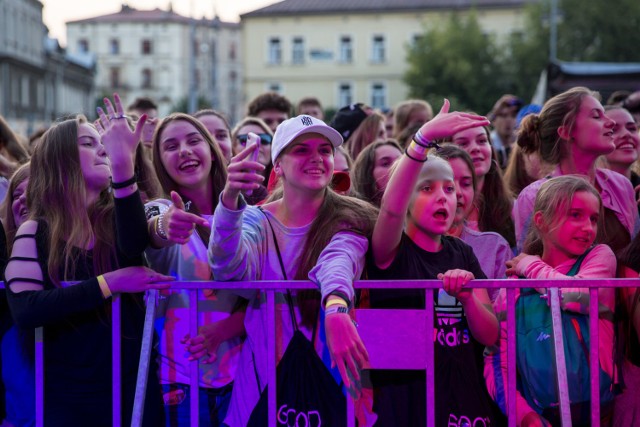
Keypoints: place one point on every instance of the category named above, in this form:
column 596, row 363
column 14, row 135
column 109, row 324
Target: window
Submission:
column 346, row 49
column 275, row 51
column 147, row 78
column 83, row 45
column 377, row 52
column 24, row 91
column 297, row 52
column 378, row 96
column 345, row 94
column 147, row 47
column 232, row 51
column 274, row 87
column 114, row 46
column 114, row 77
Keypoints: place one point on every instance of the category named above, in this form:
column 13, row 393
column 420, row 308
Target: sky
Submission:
column 57, row 12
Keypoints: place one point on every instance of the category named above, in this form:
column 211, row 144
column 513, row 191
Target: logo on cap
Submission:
column 306, row 120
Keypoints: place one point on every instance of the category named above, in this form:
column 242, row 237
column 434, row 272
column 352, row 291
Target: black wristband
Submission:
column 429, row 145
column 125, row 184
column 406, row 151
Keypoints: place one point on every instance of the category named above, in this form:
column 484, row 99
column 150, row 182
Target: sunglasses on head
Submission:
column 265, row 138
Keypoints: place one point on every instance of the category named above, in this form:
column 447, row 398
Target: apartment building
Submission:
column 345, row 51
column 163, row 55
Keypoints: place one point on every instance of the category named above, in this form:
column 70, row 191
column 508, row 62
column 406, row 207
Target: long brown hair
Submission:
column 365, row 134
column 10, row 227
column 56, row 194
column 363, row 182
column 539, row 132
column 337, row 213
column 9, row 141
column 217, row 175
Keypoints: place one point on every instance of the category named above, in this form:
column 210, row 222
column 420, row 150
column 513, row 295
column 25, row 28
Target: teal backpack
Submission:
column 535, row 355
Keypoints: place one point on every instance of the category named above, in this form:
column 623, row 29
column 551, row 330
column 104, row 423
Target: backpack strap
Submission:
column 575, row 268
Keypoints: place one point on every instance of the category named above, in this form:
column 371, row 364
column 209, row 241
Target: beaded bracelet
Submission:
column 159, row 227
column 423, row 142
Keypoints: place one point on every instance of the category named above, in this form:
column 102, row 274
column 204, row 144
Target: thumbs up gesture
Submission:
column 179, row 224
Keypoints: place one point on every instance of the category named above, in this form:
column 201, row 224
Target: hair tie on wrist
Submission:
column 125, row 184
column 415, row 159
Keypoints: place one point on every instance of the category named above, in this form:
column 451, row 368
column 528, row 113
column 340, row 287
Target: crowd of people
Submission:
column 132, row 201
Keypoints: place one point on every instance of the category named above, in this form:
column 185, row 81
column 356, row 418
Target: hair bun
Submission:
column 529, row 133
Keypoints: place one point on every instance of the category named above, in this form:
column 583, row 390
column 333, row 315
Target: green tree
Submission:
column 458, row 61
column 597, row 30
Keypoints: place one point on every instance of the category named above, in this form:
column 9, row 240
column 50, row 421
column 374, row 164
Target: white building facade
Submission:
column 149, row 53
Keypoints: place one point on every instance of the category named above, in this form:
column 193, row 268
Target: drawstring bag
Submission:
column 307, row 394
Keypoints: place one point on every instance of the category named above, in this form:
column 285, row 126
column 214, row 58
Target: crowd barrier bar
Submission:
column 270, row 287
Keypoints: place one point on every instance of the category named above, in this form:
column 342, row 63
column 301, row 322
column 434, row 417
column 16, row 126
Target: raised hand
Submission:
column 445, row 124
column 243, row 173
column 180, row 224
column 119, row 140
column 136, row 279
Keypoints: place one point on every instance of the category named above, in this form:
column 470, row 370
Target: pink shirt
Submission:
column 599, row 263
column 617, row 194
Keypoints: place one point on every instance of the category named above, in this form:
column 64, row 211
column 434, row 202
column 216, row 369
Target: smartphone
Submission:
column 253, row 141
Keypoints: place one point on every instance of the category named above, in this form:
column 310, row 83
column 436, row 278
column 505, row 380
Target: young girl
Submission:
column 421, row 193
column 491, row 249
column 77, row 233
column 565, row 224
column 310, row 233
column 572, row 132
column 492, row 206
column 192, row 170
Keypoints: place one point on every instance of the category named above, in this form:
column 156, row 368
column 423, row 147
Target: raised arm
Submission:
column 395, row 201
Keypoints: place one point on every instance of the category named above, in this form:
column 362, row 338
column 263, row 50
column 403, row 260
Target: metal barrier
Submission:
column 270, row 287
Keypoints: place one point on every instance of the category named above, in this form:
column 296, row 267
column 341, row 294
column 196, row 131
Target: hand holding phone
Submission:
column 253, row 142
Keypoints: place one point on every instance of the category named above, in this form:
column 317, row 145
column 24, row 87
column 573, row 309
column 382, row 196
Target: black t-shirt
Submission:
column 414, row 263
column 460, row 391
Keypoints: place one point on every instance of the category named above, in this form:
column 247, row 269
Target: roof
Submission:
column 130, row 14
column 597, row 68
column 316, row 7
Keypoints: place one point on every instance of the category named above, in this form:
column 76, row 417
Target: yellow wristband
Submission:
column 336, row 301
column 104, row 287
column 418, row 149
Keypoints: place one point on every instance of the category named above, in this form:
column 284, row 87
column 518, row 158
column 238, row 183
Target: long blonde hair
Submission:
column 56, row 195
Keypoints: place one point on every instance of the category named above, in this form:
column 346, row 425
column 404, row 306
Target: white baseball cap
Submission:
column 292, row 128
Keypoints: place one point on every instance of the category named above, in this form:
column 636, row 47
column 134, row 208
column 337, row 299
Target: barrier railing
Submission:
column 369, row 334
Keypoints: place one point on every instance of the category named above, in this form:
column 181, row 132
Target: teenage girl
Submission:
column 192, row 172
column 571, row 132
column 564, row 227
column 410, row 242
column 76, row 233
column 319, row 236
column 492, row 206
column 491, row 249
column 218, row 126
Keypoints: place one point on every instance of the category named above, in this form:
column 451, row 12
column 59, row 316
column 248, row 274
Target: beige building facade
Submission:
column 350, row 50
